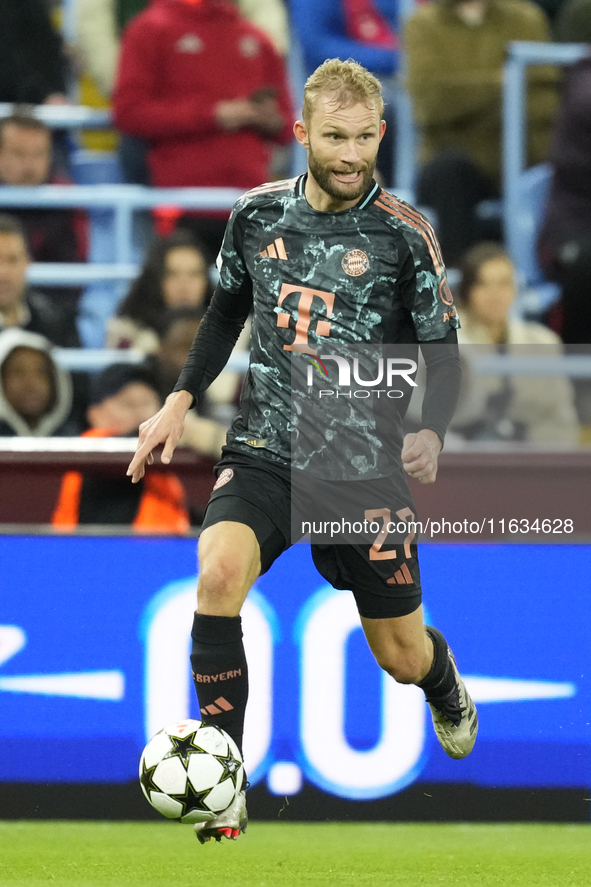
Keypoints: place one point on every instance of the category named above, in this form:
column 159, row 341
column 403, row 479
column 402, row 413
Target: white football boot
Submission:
column 227, row 824
column 454, row 716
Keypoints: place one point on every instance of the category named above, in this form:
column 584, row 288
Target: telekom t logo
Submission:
column 306, row 297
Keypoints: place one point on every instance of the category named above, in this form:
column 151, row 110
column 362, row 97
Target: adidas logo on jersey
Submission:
column 275, row 250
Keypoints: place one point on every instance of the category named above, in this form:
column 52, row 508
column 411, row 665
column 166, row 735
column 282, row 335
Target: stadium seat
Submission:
column 95, row 168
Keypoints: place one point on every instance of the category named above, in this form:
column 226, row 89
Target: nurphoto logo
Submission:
column 387, row 371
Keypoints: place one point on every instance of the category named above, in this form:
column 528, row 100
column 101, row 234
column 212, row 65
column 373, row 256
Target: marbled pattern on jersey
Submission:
column 371, row 275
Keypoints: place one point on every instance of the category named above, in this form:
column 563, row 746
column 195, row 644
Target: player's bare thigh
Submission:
column 400, row 645
column 229, row 563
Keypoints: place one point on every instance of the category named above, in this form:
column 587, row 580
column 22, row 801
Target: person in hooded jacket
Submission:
column 36, row 398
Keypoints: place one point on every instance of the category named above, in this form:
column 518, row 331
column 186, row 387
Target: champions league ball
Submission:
column 191, row 771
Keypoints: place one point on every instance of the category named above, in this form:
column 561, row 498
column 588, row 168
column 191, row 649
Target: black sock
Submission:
column 220, row 672
column 440, row 679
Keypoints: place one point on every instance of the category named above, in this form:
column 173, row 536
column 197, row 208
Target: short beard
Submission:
column 322, row 176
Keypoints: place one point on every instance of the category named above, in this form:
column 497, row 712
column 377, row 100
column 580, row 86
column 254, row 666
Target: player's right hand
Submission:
column 166, row 427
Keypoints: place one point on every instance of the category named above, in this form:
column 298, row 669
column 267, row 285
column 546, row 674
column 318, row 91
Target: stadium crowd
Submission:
column 203, row 93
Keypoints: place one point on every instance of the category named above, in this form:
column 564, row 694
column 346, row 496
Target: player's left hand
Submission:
column 420, row 452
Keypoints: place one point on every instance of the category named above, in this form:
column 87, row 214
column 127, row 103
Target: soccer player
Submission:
column 326, row 259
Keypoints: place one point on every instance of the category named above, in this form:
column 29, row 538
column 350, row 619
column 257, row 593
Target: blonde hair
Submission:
column 350, row 83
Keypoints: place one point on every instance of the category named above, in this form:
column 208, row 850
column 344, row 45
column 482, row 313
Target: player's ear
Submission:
column 300, row 131
column 382, row 129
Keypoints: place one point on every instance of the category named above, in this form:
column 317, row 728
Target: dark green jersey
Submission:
column 369, row 276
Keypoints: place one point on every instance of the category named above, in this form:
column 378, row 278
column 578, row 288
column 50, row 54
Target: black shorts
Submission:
column 383, row 576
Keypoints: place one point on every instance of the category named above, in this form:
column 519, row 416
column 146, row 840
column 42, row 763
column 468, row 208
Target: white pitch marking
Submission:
column 83, row 685
column 484, row 689
column 12, row 640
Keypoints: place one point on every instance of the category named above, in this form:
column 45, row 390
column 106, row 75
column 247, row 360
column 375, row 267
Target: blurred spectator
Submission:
column 167, row 362
column 98, row 32
column 123, row 396
column 456, row 51
column 19, row 304
column 32, row 61
column 271, row 17
column 486, row 293
column 100, row 23
column 361, row 29
column 35, row 393
column 175, row 274
column 177, row 337
column 565, row 237
column 535, row 408
column 53, row 235
column 208, row 91
column 573, row 22
column 365, row 30
column 203, row 432
column 161, row 313
column 552, row 9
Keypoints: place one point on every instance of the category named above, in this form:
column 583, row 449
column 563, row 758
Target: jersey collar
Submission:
column 372, row 193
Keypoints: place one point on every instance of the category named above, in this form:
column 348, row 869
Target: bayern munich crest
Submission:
column 226, row 475
column 355, row 263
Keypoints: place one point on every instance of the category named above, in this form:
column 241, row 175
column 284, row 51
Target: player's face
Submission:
column 493, row 292
column 28, row 383
column 13, row 269
column 184, row 283
column 342, row 143
column 25, row 156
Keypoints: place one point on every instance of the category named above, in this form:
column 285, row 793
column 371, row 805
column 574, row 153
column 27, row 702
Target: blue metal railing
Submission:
column 122, row 201
column 69, row 20
column 78, row 273
column 65, row 116
column 93, row 359
column 405, row 163
column 573, row 366
column 520, row 55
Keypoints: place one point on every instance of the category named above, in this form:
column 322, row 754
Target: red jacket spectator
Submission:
column 206, row 89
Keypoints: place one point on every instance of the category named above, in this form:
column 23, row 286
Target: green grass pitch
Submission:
column 86, row 854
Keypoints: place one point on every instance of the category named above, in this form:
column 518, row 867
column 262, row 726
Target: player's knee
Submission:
column 221, row 587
